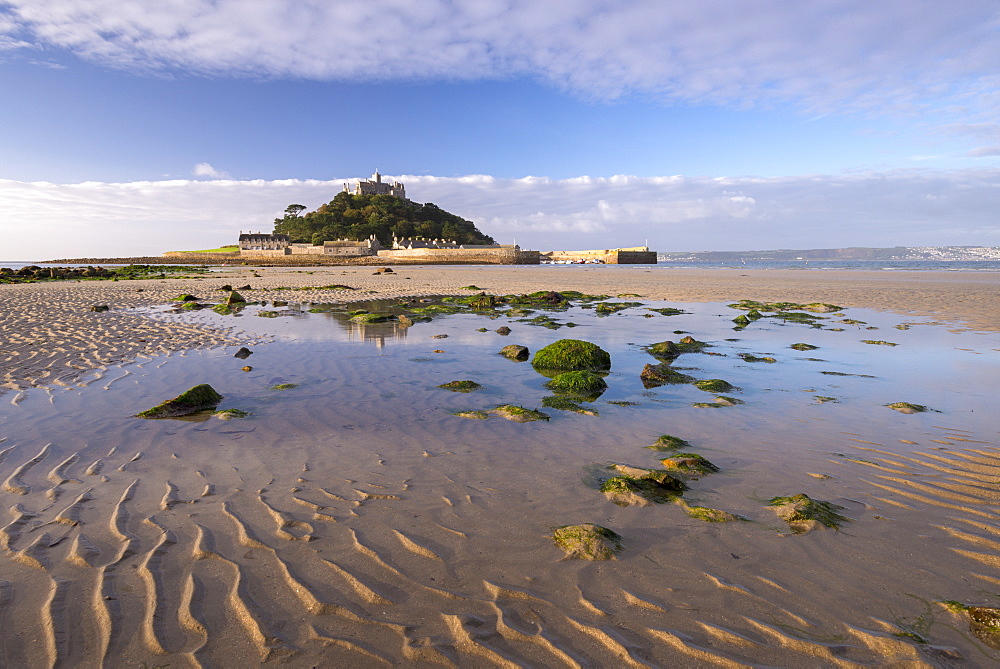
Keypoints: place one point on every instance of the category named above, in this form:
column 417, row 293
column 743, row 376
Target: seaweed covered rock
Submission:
column 802, row 346
column 667, row 350
column 587, row 542
column 196, row 399
column 668, row 442
column 566, row 404
column 689, row 463
column 243, row 353
column 572, row 355
column 706, row 514
column 662, row 374
column 984, row 623
column 714, row 386
column 906, row 407
column 580, row 383
column 230, row 414
column 503, row 330
column 638, row 486
column 465, row 386
column 235, row 298
column 515, row 352
column 518, row 414
column 802, row 513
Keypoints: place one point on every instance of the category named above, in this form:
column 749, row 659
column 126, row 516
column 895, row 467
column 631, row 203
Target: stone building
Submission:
column 256, row 241
column 375, row 186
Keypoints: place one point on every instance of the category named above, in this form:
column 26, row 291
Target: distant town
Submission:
column 939, row 253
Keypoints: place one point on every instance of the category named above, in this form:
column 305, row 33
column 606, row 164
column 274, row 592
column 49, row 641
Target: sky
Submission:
column 131, row 128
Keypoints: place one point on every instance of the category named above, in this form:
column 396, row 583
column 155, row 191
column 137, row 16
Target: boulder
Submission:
column 802, row 513
column 243, row 353
column 235, row 298
column 503, row 330
column 587, row 542
column 515, row 352
column 662, row 374
column 572, row 355
column 196, row 399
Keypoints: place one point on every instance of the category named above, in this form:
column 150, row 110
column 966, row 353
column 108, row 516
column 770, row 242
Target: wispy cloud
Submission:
column 206, row 170
column 894, row 56
column 907, row 207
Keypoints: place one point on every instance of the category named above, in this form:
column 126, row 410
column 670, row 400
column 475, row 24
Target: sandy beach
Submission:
column 352, row 520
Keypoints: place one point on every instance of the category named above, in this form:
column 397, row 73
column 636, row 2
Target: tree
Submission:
column 360, row 216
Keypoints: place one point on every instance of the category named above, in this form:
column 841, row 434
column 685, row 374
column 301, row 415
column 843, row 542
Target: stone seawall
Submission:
column 480, row 256
column 607, row 256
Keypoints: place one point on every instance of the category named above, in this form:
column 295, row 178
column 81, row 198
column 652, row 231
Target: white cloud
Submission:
column 891, row 55
column 43, row 220
column 206, row 170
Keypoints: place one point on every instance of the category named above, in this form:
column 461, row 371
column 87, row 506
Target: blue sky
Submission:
column 132, row 128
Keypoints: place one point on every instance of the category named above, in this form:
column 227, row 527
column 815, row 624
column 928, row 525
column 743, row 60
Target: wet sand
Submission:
column 372, row 528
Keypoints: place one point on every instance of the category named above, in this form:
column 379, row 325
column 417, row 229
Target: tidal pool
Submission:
column 353, row 517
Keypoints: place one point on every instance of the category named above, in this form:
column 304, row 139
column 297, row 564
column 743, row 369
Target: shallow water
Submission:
column 354, row 519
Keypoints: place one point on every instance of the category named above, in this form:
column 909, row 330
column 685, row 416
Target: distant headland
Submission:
column 940, row 253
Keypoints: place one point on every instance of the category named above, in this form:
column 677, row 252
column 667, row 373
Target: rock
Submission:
column 906, row 407
column 984, row 623
column 100, row 308
column 439, row 336
column 243, row 353
column 246, row 287
column 689, row 463
column 227, row 288
column 515, row 352
column 707, row 514
column 587, row 542
column 186, row 297
column 662, row 374
column 248, row 368
column 404, row 320
column 196, row 399
column 279, row 303
column 235, row 298
column 572, row 355
column 518, row 414
column 714, row 386
column 465, row 386
column 666, row 442
column 503, row 330
column 229, row 414
column 564, row 404
column 665, row 349
column 802, row 513
column 801, row 346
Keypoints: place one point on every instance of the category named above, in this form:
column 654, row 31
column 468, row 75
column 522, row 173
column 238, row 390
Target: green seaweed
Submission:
column 193, row 400
column 801, row 512
column 714, row 386
column 518, row 414
column 668, row 442
column 580, row 382
column 748, row 357
column 689, row 463
column 803, row 347
column 587, row 542
column 571, row 355
column 878, row 342
column 662, row 374
column 472, row 413
column 566, row 404
column 906, row 407
column 284, row 386
column 465, row 386
column 230, row 414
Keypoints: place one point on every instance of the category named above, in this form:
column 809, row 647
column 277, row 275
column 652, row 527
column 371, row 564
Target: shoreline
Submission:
column 53, row 338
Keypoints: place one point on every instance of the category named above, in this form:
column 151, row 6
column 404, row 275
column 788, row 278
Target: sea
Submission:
column 867, row 265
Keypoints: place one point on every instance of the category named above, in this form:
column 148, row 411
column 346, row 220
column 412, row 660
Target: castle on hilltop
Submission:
column 375, row 186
